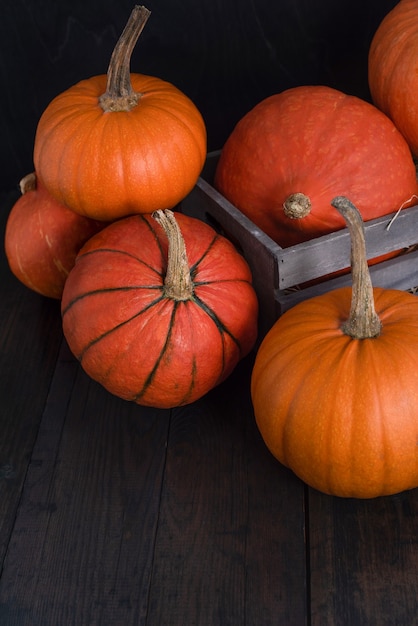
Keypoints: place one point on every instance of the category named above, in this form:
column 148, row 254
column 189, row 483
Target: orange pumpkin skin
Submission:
column 42, row 239
column 141, row 344
column 320, row 142
column 393, row 69
column 107, row 165
column 342, row 413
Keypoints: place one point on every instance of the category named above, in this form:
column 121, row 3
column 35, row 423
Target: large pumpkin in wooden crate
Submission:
column 295, row 151
column 120, row 144
column 159, row 313
column 393, row 69
column 335, row 385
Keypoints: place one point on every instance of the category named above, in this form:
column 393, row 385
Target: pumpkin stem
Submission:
column 178, row 283
column 363, row 321
column 28, row 183
column 296, row 206
column 119, row 95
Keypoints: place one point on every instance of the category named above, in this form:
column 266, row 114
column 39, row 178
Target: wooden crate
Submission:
column 278, row 272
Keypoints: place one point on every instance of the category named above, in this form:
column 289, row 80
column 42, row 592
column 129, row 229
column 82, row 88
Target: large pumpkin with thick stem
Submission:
column 335, row 385
column 393, row 69
column 295, row 151
column 160, row 310
column 120, row 144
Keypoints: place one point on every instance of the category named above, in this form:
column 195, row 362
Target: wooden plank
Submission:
column 30, row 333
column 230, row 545
column 82, row 546
column 329, row 253
column 364, row 560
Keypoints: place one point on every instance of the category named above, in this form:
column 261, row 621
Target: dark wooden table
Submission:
column 114, row 514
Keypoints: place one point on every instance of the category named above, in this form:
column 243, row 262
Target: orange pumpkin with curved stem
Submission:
column 335, row 385
column 159, row 313
column 120, row 144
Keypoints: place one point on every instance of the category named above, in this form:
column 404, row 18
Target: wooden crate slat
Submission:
column 398, row 273
column 330, row 253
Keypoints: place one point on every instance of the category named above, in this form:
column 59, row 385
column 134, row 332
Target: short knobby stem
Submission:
column 119, row 95
column 363, row 321
column 178, row 283
column 28, row 183
column 296, row 206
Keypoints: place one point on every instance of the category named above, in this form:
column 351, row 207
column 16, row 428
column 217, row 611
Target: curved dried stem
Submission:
column 363, row 321
column 119, row 95
column 178, row 283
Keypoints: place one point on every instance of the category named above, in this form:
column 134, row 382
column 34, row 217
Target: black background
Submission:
column 226, row 55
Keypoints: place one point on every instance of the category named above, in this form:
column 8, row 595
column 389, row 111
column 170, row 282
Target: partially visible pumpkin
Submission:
column 335, row 385
column 42, row 239
column 295, row 151
column 393, row 69
column 159, row 313
column 120, row 144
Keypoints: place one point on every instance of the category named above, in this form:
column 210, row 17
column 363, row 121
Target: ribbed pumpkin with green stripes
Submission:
column 159, row 308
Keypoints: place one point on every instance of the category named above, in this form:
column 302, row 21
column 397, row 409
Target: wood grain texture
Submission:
column 83, row 541
column 364, row 560
column 30, row 333
column 230, row 545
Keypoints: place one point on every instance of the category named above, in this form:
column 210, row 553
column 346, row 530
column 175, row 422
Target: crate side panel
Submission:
column 398, row 273
column 324, row 255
